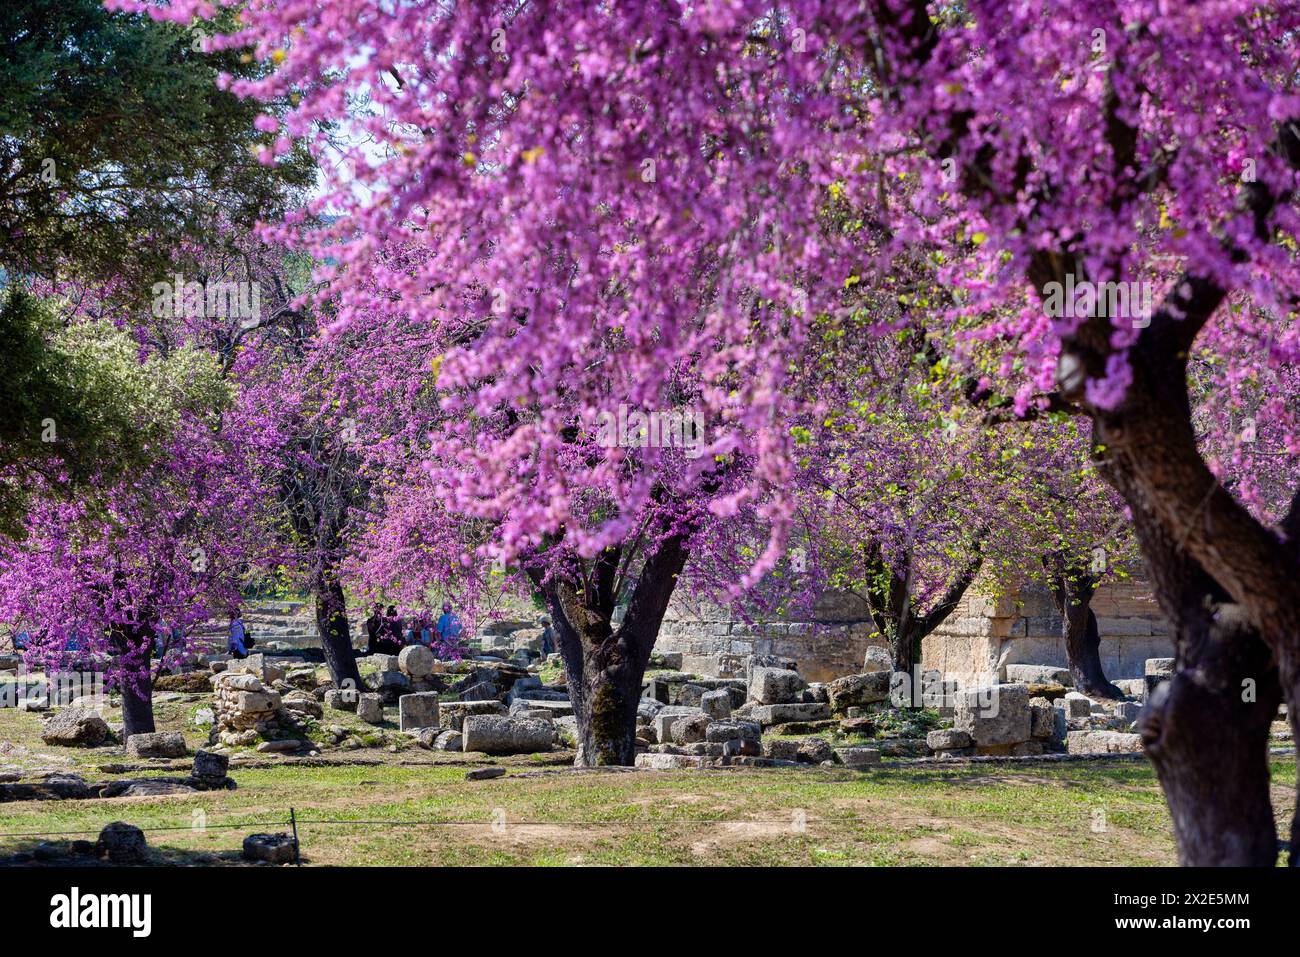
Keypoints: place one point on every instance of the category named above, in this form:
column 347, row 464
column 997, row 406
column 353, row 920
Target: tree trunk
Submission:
column 1072, row 591
column 911, row 628
column 1229, row 583
column 906, row 649
column 335, row 632
column 1207, row 729
column 137, row 706
column 611, row 680
column 605, row 666
column 134, row 650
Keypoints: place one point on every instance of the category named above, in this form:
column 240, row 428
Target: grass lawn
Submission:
column 416, row 808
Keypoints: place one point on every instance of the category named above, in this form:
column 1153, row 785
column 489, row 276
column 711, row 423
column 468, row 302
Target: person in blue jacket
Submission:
column 449, row 626
column 236, row 644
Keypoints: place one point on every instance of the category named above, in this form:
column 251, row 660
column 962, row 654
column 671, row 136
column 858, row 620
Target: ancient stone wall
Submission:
column 981, row 633
column 1025, row 628
column 714, row 641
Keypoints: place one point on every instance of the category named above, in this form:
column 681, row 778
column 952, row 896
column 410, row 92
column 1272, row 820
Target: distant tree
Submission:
column 154, row 551
column 115, row 141
column 65, row 409
column 115, row 146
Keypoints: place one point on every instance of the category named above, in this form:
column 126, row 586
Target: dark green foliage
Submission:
column 79, row 407
column 144, row 148
column 116, row 149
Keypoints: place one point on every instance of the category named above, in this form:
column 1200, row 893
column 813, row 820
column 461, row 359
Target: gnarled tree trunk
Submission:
column 1207, row 552
column 1072, row 591
column 606, row 665
column 1207, row 729
column 1229, row 589
column 1230, row 583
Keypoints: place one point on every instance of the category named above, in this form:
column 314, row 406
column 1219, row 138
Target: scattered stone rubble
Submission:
column 761, row 711
column 787, row 720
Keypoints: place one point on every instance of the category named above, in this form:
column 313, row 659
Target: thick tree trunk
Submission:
column 911, row 628
column 137, row 707
column 605, row 666
column 336, row 633
column 1207, row 729
column 611, row 688
column 1229, row 583
column 1224, row 580
column 1072, row 591
column 906, row 649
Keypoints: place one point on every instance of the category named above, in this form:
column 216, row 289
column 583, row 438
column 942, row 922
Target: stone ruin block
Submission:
column 668, row 762
column 75, row 727
column 666, row 717
column 370, row 708
column 716, row 704
column 418, row 711
column 769, row 661
column 776, row 685
column 1039, row 675
column 690, row 728
column 342, row 699
column 1127, row 711
column 858, row 757
column 856, row 691
column 453, row 713
column 948, row 739
column 1103, row 742
column 160, row 744
column 771, row 714
column 416, row 661
column 1042, row 719
column 1075, row 705
column 667, row 660
column 877, row 659
column 1155, row 672
column 994, row 715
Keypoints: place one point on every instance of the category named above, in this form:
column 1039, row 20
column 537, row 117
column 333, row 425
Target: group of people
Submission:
column 387, row 633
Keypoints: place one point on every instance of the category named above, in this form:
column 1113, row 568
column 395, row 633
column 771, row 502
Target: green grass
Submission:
column 416, row 808
column 430, row 815
column 552, row 673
